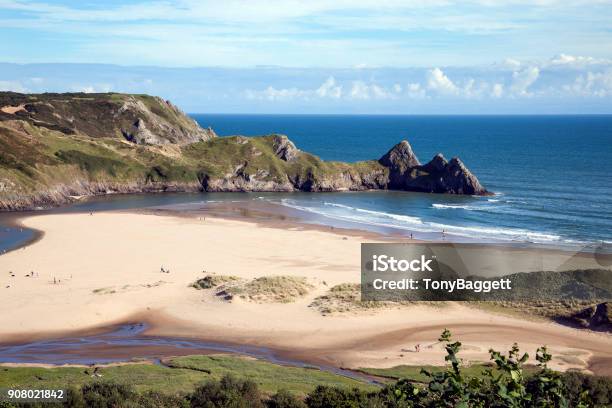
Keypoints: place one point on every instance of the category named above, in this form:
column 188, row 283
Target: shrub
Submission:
column 227, row 393
column 284, row 399
column 212, row 281
column 325, row 397
column 107, row 394
column 599, row 388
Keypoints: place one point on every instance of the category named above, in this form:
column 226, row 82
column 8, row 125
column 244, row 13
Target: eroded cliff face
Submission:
column 437, row 176
column 54, row 147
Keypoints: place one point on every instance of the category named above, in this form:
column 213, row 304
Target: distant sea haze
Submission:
column 552, row 175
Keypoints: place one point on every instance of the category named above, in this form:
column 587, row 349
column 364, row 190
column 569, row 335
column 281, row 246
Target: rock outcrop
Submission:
column 284, row 148
column 56, row 146
column 437, row 176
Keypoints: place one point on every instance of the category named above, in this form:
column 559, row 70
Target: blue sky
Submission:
column 360, row 56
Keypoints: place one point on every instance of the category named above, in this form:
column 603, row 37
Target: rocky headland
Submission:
column 54, row 147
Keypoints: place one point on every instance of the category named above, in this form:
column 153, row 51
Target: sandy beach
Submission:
column 89, row 271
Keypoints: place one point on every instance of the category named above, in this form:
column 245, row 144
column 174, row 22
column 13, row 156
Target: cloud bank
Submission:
column 561, row 84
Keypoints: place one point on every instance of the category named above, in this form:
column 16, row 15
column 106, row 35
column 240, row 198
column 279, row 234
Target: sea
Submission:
column 551, row 177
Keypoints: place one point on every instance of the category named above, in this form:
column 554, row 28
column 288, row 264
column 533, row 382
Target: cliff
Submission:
column 57, row 146
column 141, row 119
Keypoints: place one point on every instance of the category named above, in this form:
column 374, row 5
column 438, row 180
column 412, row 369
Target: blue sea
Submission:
column 551, row 175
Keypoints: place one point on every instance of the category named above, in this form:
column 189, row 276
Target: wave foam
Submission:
column 364, row 216
column 454, row 206
column 398, row 217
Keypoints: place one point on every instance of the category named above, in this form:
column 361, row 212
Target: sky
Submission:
column 359, row 56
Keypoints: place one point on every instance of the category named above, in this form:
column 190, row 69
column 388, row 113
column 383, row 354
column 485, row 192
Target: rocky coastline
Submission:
column 56, row 147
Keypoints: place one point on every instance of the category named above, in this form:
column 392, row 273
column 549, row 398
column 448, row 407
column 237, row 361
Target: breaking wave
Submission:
column 364, row 216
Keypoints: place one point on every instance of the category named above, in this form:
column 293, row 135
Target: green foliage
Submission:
column 402, row 394
column 599, row 388
column 325, row 397
column 212, row 281
column 100, row 394
column 284, row 399
column 90, row 163
column 227, row 393
column 505, row 384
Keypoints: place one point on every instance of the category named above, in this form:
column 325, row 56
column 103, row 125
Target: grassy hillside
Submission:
column 41, row 166
column 53, row 146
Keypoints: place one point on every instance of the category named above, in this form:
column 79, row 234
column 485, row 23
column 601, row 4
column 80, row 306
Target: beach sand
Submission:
column 106, row 269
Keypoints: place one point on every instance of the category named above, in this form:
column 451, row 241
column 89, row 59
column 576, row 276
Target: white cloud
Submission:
column 380, row 92
column 12, row 86
column 533, row 84
column 522, row 80
column 274, row 94
column 511, row 63
column 330, row 89
column 360, row 90
column 497, row 91
column 577, row 61
column 470, row 89
column 239, row 33
column 416, row 91
column 592, row 84
column 440, row 83
column 96, row 88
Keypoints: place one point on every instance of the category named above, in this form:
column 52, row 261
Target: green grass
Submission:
column 212, row 281
column 268, row 376
column 538, row 309
column 413, row 373
column 142, row 376
column 275, row 289
column 346, row 297
column 184, row 374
